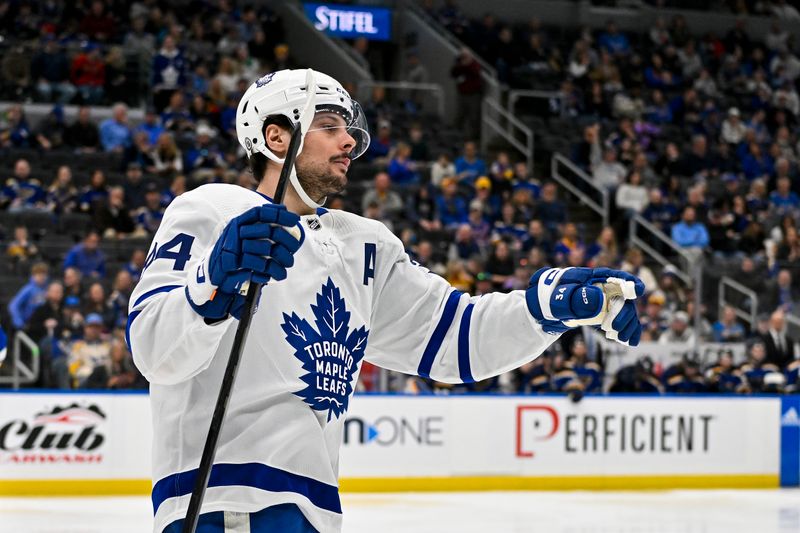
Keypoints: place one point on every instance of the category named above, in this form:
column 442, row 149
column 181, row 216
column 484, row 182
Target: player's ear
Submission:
column 277, row 139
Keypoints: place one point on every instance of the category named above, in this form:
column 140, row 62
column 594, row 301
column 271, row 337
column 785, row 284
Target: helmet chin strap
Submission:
column 306, row 117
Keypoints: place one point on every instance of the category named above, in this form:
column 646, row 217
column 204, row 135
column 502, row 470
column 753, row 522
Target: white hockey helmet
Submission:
column 284, row 93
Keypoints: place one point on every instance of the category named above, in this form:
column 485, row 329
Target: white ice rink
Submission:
column 739, row 511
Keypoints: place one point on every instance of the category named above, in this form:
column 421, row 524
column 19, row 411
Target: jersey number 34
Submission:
column 176, row 249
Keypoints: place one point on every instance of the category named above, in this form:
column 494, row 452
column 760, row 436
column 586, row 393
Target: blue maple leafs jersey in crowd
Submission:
column 352, row 295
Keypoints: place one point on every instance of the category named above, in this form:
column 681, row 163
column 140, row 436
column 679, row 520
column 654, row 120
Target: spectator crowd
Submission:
column 696, row 134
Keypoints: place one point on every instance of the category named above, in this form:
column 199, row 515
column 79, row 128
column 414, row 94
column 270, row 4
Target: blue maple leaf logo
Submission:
column 330, row 354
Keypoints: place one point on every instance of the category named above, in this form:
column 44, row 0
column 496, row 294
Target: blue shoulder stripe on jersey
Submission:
column 148, row 294
column 256, row 475
column 439, row 332
column 464, row 369
column 267, row 197
column 321, row 211
column 131, row 318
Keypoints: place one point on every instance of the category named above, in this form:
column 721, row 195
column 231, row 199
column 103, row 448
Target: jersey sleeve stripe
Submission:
column 464, row 369
column 148, row 294
column 131, row 318
column 256, row 475
column 435, row 342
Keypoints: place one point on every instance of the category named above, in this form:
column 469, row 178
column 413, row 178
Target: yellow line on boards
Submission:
column 735, row 481
column 74, row 487
column 117, row 487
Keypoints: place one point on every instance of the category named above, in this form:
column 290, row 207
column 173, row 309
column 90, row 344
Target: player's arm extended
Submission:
column 169, row 341
column 423, row 326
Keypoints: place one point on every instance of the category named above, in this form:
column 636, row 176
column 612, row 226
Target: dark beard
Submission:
column 317, row 180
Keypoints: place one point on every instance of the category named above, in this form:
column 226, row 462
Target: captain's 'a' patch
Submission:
column 330, row 353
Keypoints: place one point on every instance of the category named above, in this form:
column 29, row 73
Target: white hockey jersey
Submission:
column 352, row 295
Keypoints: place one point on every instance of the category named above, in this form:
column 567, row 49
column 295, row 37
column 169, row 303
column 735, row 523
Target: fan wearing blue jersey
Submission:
column 339, row 289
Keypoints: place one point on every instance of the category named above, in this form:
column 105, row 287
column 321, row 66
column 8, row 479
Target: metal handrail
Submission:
column 751, row 316
column 636, row 222
column 490, row 105
column 22, row 374
column 516, row 94
column 435, row 88
column 602, row 208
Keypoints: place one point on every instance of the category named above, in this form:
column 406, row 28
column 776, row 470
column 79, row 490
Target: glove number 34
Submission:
column 177, row 249
column 560, row 295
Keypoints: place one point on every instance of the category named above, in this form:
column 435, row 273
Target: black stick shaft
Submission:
column 210, row 448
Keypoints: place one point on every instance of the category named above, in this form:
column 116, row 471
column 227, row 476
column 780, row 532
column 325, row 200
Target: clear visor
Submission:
column 355, row 125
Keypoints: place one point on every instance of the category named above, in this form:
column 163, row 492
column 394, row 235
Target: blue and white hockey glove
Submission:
column 256, row 246
column 564, row 298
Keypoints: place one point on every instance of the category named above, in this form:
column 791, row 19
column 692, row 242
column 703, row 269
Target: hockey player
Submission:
column 342, row 293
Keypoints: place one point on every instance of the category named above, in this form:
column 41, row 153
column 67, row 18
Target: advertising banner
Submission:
column 350, row 22
column 100, row 443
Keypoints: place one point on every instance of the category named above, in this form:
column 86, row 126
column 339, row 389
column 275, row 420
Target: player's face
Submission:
column 322, row 166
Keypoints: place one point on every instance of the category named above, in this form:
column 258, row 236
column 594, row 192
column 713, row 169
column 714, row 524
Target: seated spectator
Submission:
column 636, row 378
column 148, row 217
column 402, row 170
column 95, row 194
column 119, row 299
column 490, row 203
column 442, row 168
column 733, row 129
column 115, row 134
column 537, row 238
column 95, row 302
column 169, row 69
column 113, row 219
column 450, row 207
column 29, row 297
column 758, row 367
column 97, row 24
column 21, row 192
column 613, row 41
column 21, row 250
column 421, row 210
column 464, row 245
column 549, row 209
column 166, row 156
column 88, row 74
column 688, row 233
column 388, row 201
column 783, row 198
column 204, row 155
column 480, row 226
column 570, row 240
column 469, row 166
column 779, row 347
column 50, row 69
column 509, row 225
column 380, row 145
column 52, row 309
column 135, row 266
column 151, row 125
column 73, row 285
column 420, row 146
column 608, row 172
column 782, row 294
column 724, row 377
column 684, row 378
column 90, row 356
column 632, row 196
column 727, row 328
column 606, row 244
column 756, row 164
column 458, row 276
column 15, row 131
column 500, row 264
column 122, row 374
column 83, row 135
column 679, row 330
column 87, row 257
column 176, row 117
column 176, row 188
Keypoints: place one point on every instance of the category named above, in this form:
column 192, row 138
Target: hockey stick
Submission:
column 254, row 289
